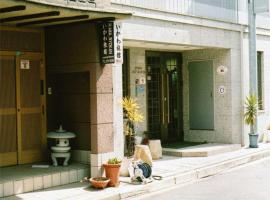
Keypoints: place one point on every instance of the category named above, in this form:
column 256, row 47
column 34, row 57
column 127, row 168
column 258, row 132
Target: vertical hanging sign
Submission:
column 111, row 44
column 118, row 43
column 106, row 43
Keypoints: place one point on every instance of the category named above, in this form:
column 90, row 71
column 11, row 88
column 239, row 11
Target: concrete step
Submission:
column 202, row 150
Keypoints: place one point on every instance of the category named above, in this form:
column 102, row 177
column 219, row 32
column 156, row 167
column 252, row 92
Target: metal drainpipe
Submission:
column 242, row 82
column 252, row 52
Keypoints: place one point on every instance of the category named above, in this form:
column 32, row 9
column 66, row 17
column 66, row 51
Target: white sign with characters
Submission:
column 222, row 89
column 118, row 43
column 25, row 64
column 222, row 70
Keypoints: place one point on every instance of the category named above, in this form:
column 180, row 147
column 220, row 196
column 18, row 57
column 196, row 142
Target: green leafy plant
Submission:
column 132, row 116
column 251, row 108
column 114, row 161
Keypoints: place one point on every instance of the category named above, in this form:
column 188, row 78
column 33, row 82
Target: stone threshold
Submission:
column 203, row 150
column 23, row 178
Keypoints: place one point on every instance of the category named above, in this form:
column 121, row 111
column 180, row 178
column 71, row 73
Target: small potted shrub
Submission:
column 112, row 171
column 251, row 109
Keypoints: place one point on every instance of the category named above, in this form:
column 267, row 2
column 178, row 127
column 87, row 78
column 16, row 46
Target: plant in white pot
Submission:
column 251, row 110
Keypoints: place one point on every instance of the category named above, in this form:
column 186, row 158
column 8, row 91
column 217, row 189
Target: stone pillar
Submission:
column 102, row 133
column 106, row 116
column 118, row 111
column 107, row 138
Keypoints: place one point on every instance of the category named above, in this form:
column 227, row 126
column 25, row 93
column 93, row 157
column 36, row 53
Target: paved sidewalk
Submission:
column 174, row 170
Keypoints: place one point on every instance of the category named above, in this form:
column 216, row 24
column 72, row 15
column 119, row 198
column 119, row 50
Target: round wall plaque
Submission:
column 222, row 70
column 222, row 89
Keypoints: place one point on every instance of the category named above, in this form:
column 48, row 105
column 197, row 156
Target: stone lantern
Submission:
column 61, row 148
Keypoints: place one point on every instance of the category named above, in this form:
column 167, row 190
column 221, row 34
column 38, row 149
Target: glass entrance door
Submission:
column 164, row 96
column 172, row 96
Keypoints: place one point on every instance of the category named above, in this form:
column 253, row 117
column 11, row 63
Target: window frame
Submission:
column 260, row 80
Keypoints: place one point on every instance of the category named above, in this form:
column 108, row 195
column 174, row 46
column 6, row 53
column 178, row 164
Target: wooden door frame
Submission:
column 21, row 159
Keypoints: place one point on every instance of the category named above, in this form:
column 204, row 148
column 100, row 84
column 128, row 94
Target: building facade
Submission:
column 201, row 97
column 186, row 63
column 51, row 74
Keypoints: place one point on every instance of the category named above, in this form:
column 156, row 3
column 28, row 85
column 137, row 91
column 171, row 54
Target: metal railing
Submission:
column 225, row 10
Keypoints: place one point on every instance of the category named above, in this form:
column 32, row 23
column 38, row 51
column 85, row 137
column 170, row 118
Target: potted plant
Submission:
column 131, row 117
column 112, row 171
column 97, row 182
column 251, row 108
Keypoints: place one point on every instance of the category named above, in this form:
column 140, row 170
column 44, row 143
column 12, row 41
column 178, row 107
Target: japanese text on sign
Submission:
column 111, row 44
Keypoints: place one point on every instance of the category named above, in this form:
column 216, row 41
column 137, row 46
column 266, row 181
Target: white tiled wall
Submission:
column 42, row 181
column 18, row 186
column 8, row 188
column 28, row 185
column 1, row 190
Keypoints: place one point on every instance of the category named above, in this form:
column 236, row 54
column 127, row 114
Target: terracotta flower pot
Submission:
column 112, row 172
column 99, row 182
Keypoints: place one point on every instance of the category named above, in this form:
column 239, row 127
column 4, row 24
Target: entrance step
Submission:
column 202, row 150
column 23, row 178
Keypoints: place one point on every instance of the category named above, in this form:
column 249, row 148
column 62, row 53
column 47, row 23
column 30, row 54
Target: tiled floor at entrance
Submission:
column 24, row 178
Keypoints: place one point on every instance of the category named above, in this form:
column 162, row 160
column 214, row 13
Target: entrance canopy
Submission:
column 34, row 13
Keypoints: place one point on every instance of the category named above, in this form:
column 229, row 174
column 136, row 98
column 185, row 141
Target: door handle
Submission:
column 41, row 87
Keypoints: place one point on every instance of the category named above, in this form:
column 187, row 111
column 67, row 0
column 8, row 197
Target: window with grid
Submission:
column 153, row 89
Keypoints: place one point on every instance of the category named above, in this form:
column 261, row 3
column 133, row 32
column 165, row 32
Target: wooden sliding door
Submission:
column 22, row 112
column 30, row 104
column 8, row 113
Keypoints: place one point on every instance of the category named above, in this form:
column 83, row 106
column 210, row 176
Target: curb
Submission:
column 192, row 175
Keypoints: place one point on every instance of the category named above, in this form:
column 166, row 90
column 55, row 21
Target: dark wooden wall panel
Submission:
column 71, row 44
column 7, row 83
column 8, row 134
column 31, row 129
column 70, row 106
column 30, row 85
column 20, row 41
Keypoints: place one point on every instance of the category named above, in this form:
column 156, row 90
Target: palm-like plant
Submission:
column 251, row 110
column 131, row 116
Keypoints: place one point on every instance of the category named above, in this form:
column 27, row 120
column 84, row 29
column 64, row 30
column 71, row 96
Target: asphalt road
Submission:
column 249, row 182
